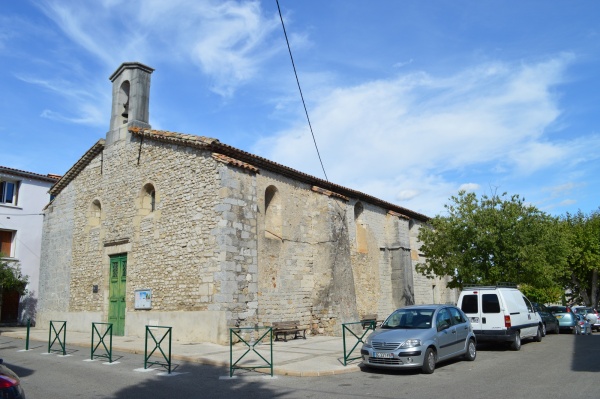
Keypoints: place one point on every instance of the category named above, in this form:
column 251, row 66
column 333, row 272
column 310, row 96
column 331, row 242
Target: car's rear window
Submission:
column 469, row 304
column 490, row 303
column 558, row 309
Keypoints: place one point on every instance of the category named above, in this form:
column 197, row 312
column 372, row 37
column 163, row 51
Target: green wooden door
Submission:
column 116, row 308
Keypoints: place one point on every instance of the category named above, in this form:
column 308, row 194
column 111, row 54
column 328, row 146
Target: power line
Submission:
column 300, row 89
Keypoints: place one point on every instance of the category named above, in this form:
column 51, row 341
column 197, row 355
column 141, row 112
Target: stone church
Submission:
column 153, row 227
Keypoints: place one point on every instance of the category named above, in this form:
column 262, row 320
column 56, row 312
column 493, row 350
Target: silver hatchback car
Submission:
column 420, row 336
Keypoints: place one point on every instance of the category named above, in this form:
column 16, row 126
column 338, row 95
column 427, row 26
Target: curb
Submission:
column 218, row 363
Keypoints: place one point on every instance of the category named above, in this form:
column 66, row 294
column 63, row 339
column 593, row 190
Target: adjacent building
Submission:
column 160, row 228
column 23, row 195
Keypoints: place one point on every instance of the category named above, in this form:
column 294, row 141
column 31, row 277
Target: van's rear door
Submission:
column 470, row 305
column 484, row 309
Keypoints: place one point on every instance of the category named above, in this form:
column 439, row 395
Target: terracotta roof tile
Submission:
column 259, row 162
column 17, row 172
column 234, row 162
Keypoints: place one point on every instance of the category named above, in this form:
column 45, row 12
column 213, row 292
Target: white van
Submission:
column 500, row 314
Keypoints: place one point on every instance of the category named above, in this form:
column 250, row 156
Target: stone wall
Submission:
column 56, row 256
column 224, row 246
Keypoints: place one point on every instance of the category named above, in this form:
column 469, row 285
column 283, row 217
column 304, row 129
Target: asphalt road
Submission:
column 560, row 366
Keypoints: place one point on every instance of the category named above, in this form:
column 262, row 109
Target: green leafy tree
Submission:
column 584, row 258
column 10, row 276
column 495, row 239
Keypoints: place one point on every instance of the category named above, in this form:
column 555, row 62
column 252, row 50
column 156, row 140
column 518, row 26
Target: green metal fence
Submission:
column 359, row 339
column 166, row 333
column 108, row 330
column 251, row 347
column 55, row 335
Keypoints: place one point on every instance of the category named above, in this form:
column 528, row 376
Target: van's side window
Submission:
column 490, row 303
column 469, row 304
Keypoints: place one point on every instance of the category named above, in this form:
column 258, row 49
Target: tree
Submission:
column 584, row 258
column 495, row 239
column 10, row 277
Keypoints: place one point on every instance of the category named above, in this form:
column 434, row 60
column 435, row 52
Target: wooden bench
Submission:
column 367, row 319
column 285, row 328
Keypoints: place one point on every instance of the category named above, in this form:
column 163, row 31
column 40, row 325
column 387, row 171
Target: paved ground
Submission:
column 315, row 356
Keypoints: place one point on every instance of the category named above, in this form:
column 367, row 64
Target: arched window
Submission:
column 95, row 213
column 148, row 200
column 124, row 100
column 361, row 230
column 273, row 213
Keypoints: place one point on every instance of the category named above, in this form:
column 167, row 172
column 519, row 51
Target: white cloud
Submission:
column 226, row 40
column 403, row 139
column 82, row 104
column 469, row 187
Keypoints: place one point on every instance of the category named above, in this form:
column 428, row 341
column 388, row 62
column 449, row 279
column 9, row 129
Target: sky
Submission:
column 409, row 101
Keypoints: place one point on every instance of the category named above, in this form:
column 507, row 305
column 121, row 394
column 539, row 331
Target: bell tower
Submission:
column 130, row 99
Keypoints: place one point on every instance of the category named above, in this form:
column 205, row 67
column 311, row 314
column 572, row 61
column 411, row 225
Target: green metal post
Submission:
column 157, row 344
column 230, row 353
column 63, row 342
column 344, row 341
column 146, row 349
column 250, row 347
column 27, row 338
column 92, row 343
column 271, row 345
column 359, row 340
column 101, row 338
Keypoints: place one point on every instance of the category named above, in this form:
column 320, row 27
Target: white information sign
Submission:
column 143, row 299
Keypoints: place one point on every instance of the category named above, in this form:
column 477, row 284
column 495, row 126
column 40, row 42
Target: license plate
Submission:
column 559, row 316
column 384, row 355
column 474, row 319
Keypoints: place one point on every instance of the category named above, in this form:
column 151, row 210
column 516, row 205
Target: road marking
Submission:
column 143, row 370
column 253, row 377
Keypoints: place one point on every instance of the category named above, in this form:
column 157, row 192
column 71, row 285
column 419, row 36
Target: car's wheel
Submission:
column 538, row 335
column 429, row 361
column 556, row 329
column 544, row 329
column 471, row 353
column 516, row 344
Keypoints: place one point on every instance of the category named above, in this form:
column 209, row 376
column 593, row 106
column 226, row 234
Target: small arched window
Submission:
column 361, row 230
column 95, row 214
column 273, row 213
column 148, row 200
column 124, row 100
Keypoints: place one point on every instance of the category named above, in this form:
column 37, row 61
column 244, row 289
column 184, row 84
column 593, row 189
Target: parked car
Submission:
column 584, row 310
column 550, row 322
column 500, row 314
column 10, row 384
column 567, row 321
column 420, row 336
column 583, row 326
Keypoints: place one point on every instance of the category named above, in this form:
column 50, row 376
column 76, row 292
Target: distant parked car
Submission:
column 585, row 310
column 10, row 385
column 583, row 326
column 420, row 336
column 567, row 321
column 550, row 322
